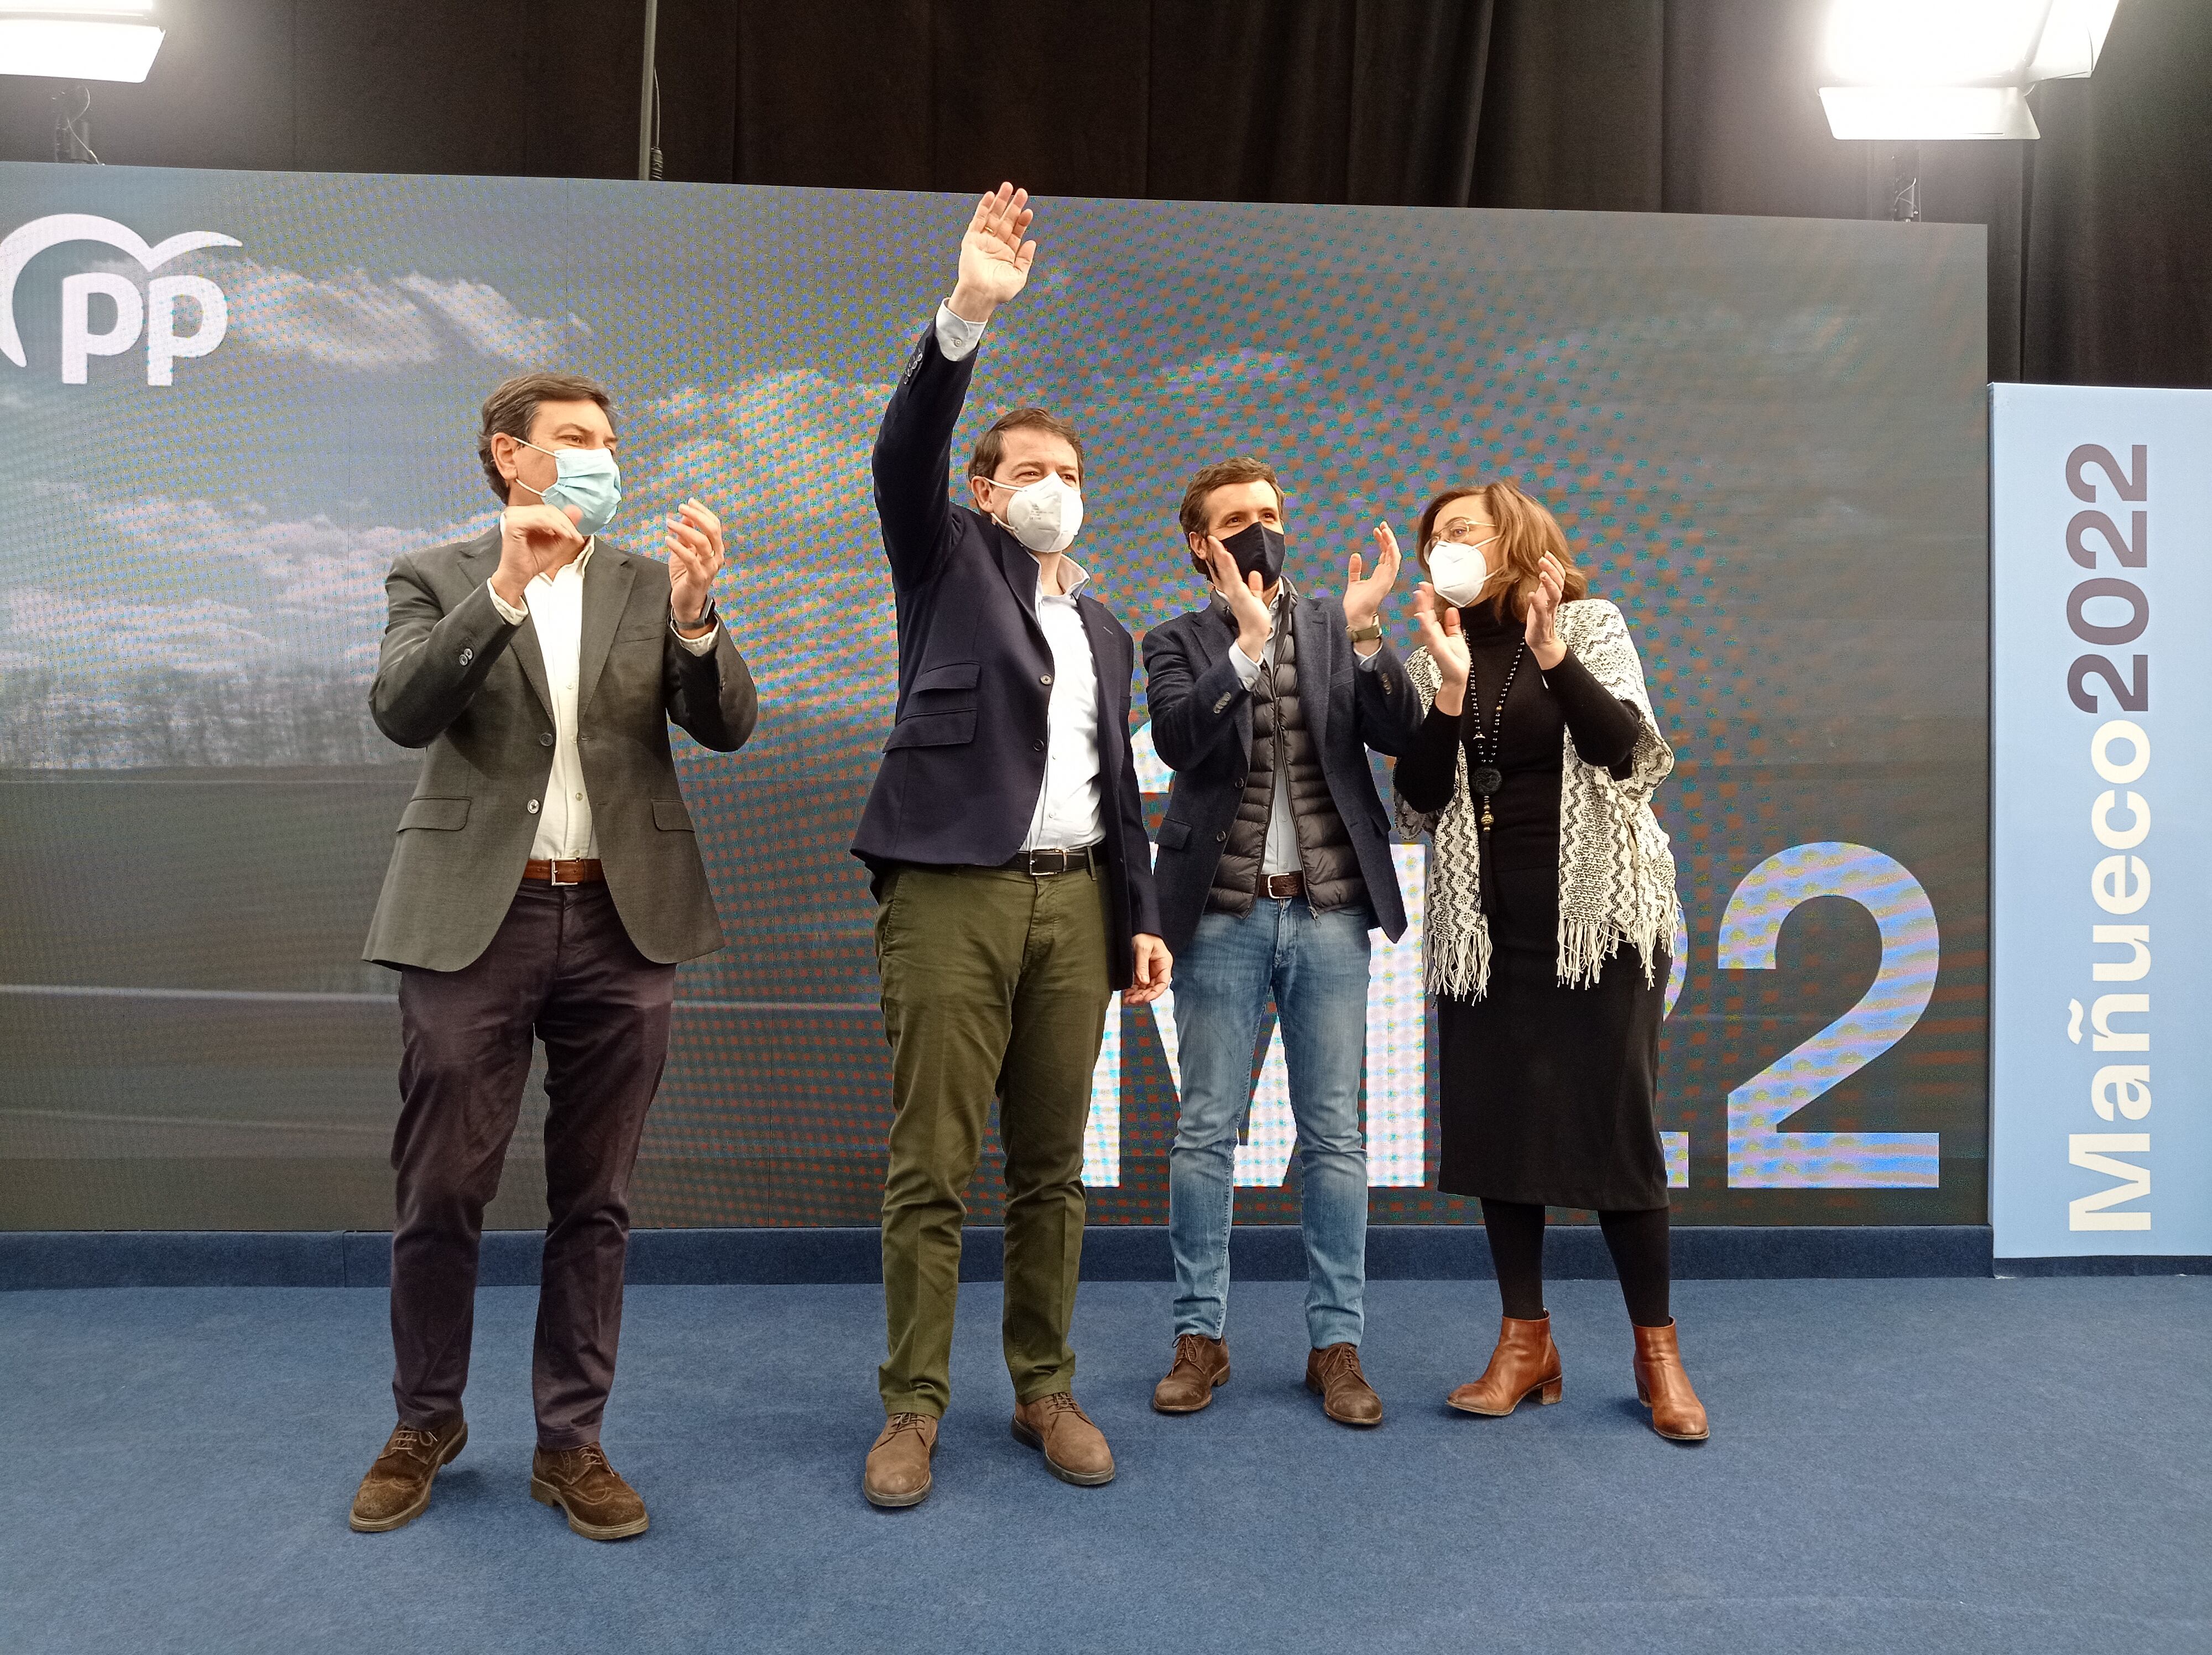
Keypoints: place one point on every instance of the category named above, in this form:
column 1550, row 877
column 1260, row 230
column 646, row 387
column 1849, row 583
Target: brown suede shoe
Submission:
column 897, row 1471
column 1525, row 1364
column 1663, row 1387
column 600, row 1503
column 396, row 1490
column 1200, row 1365
column 1075, row 1450
column 1333, row 1374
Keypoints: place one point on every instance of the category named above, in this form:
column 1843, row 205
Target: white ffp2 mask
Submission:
column 1045, row 516
column 1457, row 572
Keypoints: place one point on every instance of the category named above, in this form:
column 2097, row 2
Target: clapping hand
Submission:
column 694, row 558
column 994, row 260
column 1543, row 616
column 1363, row 598
column 532, row 539
column 1447, row 647
column 1246, row 598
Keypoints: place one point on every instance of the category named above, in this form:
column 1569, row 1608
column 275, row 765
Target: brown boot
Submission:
column 1525, row 1364
column 1664, row 1388
column 897, row 1471
column 1075, row 1450
column 396, row 1490
column 600, row 1503
column 1333, row 1374
column 1200, row 1365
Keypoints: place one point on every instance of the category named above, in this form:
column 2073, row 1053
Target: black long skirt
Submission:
column 1545, row 1091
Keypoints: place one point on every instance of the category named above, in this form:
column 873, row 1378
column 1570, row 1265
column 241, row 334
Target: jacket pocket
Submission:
column 933, row 730
column 1174, row 835
column 670, row 816
column 443, row 814
column 951, row 675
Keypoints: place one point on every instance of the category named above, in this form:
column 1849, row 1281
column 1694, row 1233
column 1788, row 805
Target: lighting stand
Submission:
column 1905, row 184
column 73, row 124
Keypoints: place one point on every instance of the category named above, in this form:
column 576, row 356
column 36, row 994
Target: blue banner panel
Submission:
column 2101, row 1049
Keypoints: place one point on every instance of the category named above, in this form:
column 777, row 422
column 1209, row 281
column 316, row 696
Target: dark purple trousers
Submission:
column 561, row 968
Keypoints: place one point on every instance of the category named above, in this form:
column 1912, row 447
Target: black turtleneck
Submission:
column 1541, row 710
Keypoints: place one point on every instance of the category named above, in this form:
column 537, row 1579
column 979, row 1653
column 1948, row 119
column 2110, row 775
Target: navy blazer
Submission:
column 961, row 773
column 1202, row 730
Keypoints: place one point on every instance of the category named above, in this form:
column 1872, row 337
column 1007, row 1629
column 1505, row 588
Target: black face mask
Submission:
column 1258, row 551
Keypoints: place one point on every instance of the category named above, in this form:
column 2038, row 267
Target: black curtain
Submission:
column 2101, row 233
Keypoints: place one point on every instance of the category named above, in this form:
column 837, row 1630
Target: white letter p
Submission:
column 163, row 345
column 78, row 340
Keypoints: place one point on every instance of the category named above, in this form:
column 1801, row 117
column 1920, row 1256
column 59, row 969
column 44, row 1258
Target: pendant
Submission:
column 1485, row 779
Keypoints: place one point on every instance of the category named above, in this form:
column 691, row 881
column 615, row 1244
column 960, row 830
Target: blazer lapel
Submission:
column 1113, row 731
column 483, row 555
column 1020, row 570
column 1308, row 623
column 606, row 593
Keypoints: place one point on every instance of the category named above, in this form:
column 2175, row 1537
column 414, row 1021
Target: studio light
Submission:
column 80, row 39
column 1909, row 69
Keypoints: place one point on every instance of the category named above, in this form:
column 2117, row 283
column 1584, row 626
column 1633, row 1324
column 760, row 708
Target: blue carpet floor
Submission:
column 1922, row 1465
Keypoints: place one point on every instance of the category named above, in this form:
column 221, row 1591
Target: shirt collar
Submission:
column 1081, row 579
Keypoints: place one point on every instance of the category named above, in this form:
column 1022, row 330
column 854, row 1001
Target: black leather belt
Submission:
column 1283, row 886
column 1039, row 863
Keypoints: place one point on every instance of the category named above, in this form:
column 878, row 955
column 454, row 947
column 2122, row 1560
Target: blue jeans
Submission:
column 1315, row 967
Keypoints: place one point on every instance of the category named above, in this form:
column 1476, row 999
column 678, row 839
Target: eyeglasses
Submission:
column 1460, row 531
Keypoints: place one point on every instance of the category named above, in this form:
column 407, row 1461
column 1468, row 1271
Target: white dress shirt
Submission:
column 555, row 601
column 1068, row 812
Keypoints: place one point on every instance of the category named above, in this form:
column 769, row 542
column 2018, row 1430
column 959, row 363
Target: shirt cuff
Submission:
column 956, row 337
column 507, row 613
column 1246, row 668
column 700, row 645
column 1365, row 663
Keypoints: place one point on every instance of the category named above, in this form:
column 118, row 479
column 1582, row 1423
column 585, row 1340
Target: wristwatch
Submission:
column 707, row 619
column 1367, row 634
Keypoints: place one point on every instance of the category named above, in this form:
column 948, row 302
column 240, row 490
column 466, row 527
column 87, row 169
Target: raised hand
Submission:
column 532, row 539
column 694, row 558
column 1245, row 596
column 1541, row 627
column 1447, row 647
column 994, row 260
column 1363, row 598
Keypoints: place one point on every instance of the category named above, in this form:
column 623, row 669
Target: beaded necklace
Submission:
column 1484, row 775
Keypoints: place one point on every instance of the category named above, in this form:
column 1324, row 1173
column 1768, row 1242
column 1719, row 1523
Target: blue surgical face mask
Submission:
column 586, row 479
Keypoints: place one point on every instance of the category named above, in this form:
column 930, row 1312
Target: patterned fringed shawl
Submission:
column 1616, row 872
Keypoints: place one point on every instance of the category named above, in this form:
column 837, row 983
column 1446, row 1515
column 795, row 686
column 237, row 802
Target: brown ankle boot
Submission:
column 898, row 1474
column 1525, row 1364
column 1333, row 1374
column 1075, row 1450
column 1664, row 1388
column 396, row 1490
column 578, row 1482
column 1200, row 1364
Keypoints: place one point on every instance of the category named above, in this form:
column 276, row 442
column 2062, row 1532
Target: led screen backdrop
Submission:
column 231, row 398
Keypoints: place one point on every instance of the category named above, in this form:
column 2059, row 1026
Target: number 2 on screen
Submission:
column 1762, row 1156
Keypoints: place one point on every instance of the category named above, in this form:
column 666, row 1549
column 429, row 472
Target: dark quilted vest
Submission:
column 1280, row 740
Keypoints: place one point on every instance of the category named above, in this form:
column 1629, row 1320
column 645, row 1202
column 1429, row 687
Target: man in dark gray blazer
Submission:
column 1275, row 863
column 545, row 880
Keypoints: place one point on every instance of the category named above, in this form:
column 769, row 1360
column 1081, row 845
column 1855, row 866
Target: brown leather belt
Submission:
column 1283, row 886
column 583, row 870
column 1039, row 863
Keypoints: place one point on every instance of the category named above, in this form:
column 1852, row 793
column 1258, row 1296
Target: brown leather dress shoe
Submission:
column 1075, row 1450
column 1333, row 1374
column 1525, row 1364
column 1663, row 1387
column 897, row 1471
column 396, row 1490
column 1200, row 1365
column 600, row 1503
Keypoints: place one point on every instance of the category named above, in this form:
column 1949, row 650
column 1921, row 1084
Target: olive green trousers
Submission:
column 994, row 986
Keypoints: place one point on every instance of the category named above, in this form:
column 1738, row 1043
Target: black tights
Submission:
column 1638, row 1242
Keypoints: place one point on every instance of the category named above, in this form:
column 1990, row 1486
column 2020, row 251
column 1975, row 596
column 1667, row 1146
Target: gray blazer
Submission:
column 455, row 678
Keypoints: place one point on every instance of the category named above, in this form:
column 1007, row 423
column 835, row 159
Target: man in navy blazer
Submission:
column 1275, row 863
column 1006, row 836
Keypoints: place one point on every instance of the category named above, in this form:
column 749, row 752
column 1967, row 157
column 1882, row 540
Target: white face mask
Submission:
column 1457, row 572
column 1045, row 516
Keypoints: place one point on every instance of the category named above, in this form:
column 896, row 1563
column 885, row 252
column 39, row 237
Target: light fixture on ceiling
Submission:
column 80, row 39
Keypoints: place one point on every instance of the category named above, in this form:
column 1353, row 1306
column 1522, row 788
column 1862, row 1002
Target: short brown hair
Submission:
column 511, row 408
column 991, row 447
column 1242, row 469
column 1526, row 530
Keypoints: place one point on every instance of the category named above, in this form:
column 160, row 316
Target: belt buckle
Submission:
column 553, row 874
column 1038, row 858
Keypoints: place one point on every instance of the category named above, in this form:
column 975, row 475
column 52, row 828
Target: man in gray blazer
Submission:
column 545, row 880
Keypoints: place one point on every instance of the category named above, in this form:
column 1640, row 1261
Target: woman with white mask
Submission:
column 1551, row 909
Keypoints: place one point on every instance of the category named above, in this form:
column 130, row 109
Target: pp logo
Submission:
column 154, row 315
